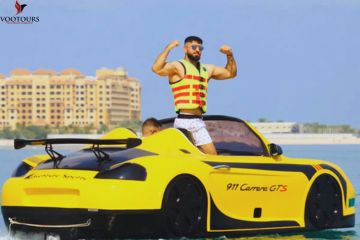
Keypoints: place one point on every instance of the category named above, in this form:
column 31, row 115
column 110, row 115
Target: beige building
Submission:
column 45, row 97
column 277, row 127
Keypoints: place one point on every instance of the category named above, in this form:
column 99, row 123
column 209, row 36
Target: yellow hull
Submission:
column 230, row 194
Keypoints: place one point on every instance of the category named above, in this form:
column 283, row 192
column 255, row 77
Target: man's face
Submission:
column 193, row 50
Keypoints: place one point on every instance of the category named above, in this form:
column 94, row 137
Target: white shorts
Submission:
column 197, row 128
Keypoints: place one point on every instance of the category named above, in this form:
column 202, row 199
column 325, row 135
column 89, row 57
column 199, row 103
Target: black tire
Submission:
column 323, row 204
column 184, row 207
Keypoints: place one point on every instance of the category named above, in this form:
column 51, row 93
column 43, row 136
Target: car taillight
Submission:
column 21, row 170
column 126, row 171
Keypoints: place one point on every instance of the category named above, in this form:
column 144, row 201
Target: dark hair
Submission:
column 152, row 122
column 193, row 38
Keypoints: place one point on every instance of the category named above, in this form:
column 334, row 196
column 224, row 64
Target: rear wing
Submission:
column 130, row 142
column 99, row 153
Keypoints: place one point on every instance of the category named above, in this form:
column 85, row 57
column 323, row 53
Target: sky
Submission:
column 297, row 60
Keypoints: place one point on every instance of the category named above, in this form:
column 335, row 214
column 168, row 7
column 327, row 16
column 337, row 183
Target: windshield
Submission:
column 231, row 136
column 235, row 138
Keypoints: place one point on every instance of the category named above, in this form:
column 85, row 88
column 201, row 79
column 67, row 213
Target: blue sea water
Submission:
column 346, row 156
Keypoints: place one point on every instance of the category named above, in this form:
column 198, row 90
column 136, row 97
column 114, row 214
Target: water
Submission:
column 346, row 156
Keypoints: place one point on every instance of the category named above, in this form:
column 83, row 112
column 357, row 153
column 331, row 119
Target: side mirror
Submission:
column 275, row 150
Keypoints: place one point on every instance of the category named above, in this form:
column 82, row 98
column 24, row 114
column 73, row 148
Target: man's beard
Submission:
column 193, row 58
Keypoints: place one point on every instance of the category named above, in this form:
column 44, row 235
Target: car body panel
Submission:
column 244, row 193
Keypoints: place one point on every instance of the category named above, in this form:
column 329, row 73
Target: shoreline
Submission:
column 313, row 138
column 286, row 138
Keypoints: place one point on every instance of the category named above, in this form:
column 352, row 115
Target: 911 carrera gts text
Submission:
column 250, row 188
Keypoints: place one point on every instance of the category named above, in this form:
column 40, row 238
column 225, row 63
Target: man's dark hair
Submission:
column 193, row 38
column 152, row 122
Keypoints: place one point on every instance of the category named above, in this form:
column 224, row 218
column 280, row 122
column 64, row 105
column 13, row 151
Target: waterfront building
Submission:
column 46, row 97
column 278, row 127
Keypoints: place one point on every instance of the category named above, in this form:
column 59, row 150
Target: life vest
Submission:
column 190, row 92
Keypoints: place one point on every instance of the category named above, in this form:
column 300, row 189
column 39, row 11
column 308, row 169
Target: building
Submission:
column 278, row 127
column 45, row 97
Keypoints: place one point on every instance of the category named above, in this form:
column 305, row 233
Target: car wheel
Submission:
column 184, row 207
column 323, row 205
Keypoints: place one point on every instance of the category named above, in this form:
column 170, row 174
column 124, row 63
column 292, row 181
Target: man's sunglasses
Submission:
column 194, row 47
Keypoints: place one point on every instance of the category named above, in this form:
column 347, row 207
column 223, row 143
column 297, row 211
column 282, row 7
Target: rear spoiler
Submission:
column 130, row 142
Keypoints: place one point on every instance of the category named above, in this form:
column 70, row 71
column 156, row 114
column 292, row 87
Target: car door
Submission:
column 249, row 185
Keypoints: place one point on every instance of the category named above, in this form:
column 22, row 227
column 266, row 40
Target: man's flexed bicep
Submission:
column 160, row 66
column 227, row 72
column 168, row 69
column 218, row 73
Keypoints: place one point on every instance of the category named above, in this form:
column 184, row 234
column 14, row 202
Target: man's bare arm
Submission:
column 229, row 71
column 160, row 66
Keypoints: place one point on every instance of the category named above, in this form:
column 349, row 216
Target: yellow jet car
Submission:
column 163, row 186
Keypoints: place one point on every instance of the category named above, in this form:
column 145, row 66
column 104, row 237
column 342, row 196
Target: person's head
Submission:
column 150, row 126
column 193, row 48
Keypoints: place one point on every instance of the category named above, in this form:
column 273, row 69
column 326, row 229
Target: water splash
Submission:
column 27, row 236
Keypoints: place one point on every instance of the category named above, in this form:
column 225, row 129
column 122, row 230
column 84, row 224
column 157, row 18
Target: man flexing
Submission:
column 189, row 80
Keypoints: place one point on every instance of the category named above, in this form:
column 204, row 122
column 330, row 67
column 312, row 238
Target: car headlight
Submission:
column 126, row 171
column 21, row 170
